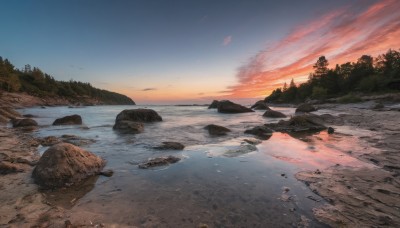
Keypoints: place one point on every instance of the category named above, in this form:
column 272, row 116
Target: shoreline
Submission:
column 358, row 197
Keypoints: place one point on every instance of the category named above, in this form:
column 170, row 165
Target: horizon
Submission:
column 194, row 52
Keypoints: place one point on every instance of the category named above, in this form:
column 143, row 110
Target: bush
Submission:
column 349, row 98
column 369, row 84
column 319, row 93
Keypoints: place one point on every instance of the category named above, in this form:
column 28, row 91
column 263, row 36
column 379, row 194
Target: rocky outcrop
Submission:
column 69, row 120
column 230, row 107
column 273, row 114
column 8, row 167
column 170, row 146
column 129, row 126
column 260, row 105
column 262, row 132
column 65, row 164
column 298, row 124
column 306, row 108
column 138, row 115
column 26, row 122
column 214, row 104
column 131, row 120
column 216, row 130
column 159, row 162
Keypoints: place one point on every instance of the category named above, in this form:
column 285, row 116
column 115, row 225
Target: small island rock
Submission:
column 274, row 114
column 214, row 104
column 306, row 108
column 260, row 105
column 26, row 122
column 170, row 146
column 230, row 107
column 69, row 120
column 216, row 130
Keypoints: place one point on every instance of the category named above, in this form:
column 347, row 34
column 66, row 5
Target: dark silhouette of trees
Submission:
column 367, row 75
column 37, row 83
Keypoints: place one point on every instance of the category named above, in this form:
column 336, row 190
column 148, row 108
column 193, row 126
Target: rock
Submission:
column 138, row 115
column 159, row 162
column 49, row 141
column 331, row 130
column 274, row 114
column 261, row 131
column 65, row 164
column 8, row 167
column 378, row 106
column 216, row 130
column 170, row 146
column 299, row 124
column 214, row 104
column 306, row 108
column 107, row 173
column 69, row 120
column 129, row 126
column 76, row 140
column 29, row 116
column 252, row 141
column 240, row 150
column 26, row 122
column 230, row 107
column 260, row 105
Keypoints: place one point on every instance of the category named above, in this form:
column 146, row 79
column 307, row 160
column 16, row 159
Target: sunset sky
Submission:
column 169, row 52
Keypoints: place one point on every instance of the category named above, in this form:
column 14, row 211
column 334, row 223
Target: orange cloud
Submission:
column 342, row 35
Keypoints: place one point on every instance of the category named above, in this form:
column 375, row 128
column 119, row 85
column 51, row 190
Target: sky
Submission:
column 180, row 52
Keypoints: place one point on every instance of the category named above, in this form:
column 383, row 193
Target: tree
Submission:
column 321, row 66
column 284, row 87
column 292, row 84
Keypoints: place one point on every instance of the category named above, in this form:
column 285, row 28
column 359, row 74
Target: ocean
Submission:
column 220, row 181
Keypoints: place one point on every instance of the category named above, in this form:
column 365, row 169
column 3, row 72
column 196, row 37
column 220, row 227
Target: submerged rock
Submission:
column 170, row 146
column 260, row 105
column 129, row 126
column 159, row 162
column 262, row 132
column 273, row 114
column 65, row 164
column 299, row 124
column 306, row 108
column 230, row 107
column 26, row 122
column 214, row 104
column 331, row 130
column 240, row 150
column 49, row 141
column 138, row 115
column 69, row 120
column 216, row 130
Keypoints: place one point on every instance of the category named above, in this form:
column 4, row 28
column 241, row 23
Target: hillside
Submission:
column 48, row 91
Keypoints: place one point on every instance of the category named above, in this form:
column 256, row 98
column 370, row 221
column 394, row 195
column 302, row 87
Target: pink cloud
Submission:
column 341, row 35
column 227, row 40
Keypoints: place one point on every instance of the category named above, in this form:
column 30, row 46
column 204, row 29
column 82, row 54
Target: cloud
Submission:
column 148, row 89
column 341, row 35
column 227, row 40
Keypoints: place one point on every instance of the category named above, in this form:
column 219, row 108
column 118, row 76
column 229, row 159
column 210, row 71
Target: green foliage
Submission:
column 37, row 83
column 349, row 98
column 319, row 93
column 367, row 75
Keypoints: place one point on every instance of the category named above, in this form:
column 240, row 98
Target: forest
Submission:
column 345, row 81
column 37, row 83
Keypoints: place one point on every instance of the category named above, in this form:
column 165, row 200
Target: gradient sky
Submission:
column 159, row 52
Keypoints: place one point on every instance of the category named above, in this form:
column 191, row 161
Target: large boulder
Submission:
column 262, row 132
column 260, row 105
column 129, row 126
column 230, row 107
column 307, row 122
column 69, row 120
column 26, row 122
column 273, row 114
column 306, row 108
column 65, row 164
column 214, row 104
column 138, row 115
column 216, row 130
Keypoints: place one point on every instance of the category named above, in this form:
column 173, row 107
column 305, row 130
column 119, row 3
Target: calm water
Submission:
column 220, row 181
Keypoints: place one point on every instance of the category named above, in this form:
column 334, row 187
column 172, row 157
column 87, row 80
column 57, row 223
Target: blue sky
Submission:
column 153, row 51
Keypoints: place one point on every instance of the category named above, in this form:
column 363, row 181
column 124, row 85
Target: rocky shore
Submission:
column 357, row 197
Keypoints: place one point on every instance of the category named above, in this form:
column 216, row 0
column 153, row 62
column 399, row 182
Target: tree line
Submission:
column 37, row 83
column 366, row 76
